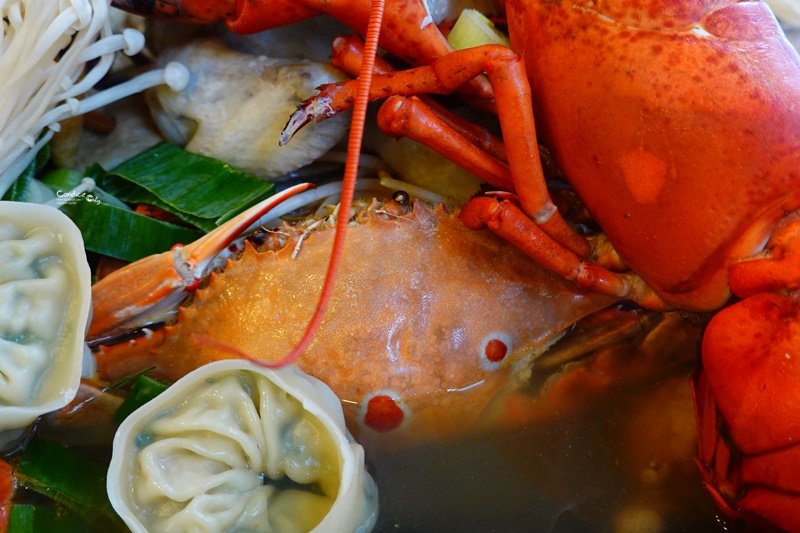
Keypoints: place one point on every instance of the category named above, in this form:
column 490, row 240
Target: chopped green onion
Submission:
column 473, row 29
column 144, row 389
column 199, row 190
column 124, row 234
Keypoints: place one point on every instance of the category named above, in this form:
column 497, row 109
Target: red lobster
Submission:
column 678, row 124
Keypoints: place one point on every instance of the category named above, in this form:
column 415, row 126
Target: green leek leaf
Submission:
column 67, row 478
column 200, row 190
column 144, row 389
column 25, row 518
column 124, row 234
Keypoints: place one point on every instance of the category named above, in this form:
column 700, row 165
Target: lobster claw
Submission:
column 131, row 296
column 748, row 410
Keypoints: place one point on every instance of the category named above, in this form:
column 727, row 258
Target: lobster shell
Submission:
column 748, row 411
column 677, row 123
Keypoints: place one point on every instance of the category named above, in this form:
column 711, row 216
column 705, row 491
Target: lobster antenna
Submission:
column 349, row 183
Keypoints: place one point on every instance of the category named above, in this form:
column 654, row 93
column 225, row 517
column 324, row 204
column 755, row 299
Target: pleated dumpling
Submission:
column 236, row 447
column 45, row 299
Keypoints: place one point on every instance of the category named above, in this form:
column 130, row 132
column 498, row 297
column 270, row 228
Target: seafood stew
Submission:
column 454, row 385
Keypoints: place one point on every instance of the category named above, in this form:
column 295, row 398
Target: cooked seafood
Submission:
column 429, row 323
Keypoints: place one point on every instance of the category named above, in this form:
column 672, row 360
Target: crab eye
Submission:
column 381, row 412
column 401, row 197
column 494, row 349
column 258, row 237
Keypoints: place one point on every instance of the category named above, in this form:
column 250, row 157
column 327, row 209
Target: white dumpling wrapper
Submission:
column 45, row 304
column 233, row 446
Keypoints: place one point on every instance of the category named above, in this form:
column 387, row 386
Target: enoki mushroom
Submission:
column 45, row 51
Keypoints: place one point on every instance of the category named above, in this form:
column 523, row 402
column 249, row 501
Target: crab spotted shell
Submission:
column 427, row 324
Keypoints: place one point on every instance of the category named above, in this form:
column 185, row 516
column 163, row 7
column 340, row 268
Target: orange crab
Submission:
column 428, row 324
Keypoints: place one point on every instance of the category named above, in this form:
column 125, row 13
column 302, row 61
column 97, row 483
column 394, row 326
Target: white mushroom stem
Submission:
column 44, row 51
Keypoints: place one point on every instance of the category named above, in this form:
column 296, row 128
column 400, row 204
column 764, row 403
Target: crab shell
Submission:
column 45, row 299
column 428, row 322
column 198, row 455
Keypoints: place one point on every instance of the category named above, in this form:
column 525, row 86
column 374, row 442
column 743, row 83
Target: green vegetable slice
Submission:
column 124, row 234
column 25, row 518
column 62, row 179
column 67, row 478
column 144, row 389
column 27, row 188
column 200, row 190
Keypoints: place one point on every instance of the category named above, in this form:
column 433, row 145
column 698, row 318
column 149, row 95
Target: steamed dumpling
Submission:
column 44, row 308
column 235, row 447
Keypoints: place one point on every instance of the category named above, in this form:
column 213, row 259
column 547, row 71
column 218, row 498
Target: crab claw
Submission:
column 132, row 295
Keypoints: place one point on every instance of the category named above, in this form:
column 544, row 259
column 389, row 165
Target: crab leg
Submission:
column 134, row 293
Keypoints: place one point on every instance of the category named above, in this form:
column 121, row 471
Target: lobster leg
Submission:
column 408, row 32
column 413, row 118
column 348, row 54
column 506, row 72
column 505, row 219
